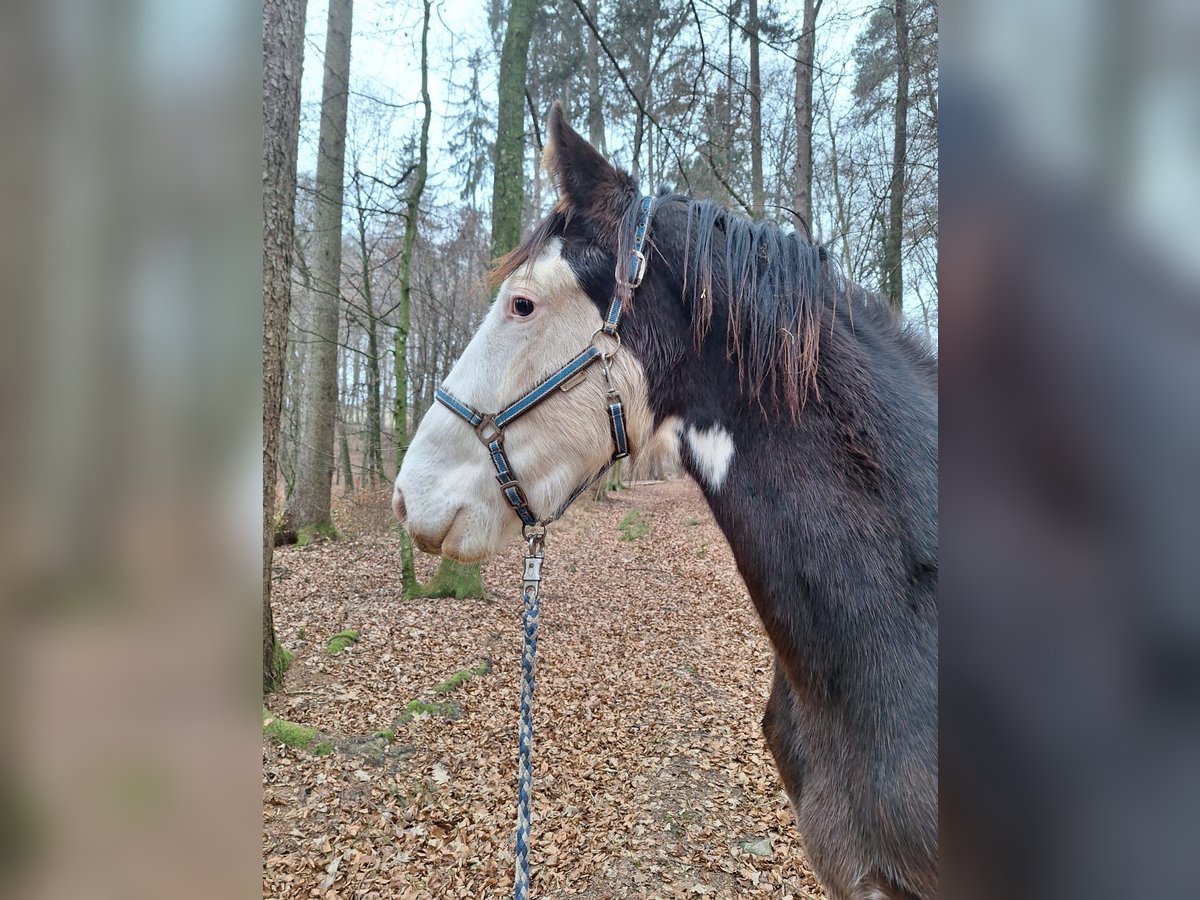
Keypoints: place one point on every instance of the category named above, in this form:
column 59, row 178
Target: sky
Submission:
column 385, row 62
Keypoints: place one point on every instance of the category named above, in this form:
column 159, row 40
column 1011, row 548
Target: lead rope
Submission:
column 530, row 586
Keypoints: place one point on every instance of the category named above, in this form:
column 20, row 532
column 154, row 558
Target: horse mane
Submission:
column 775, row 282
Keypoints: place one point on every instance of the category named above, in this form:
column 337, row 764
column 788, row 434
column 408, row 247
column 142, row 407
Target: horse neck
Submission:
column 831, row 516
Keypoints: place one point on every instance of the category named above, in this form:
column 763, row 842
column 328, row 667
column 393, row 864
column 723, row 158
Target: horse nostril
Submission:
column 398, row 504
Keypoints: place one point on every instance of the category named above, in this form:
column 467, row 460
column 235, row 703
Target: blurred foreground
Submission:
column 1070, row 338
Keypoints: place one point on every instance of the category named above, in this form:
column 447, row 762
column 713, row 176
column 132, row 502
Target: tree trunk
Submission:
column 893, row 270
column 805, row 56
column 508, row 186
column 654, row 471
column 757, row 197
column 730, row 124
column 309, row 507
column 639, row 128
column 412, row 221
column 404, row 313
column 289, row 449
column 843, row 216
column 508, row 190
column 373, row 451
column 347, row 465
column 283, row 59
column 595, row 108
column 841, row 212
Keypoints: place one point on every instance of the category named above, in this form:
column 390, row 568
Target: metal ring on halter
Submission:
column 489, row 421
column 616, row 336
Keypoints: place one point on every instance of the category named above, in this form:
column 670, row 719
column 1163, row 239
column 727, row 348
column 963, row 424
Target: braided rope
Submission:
column 529, row 595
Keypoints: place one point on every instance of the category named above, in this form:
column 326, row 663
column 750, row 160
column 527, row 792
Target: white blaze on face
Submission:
column 452, row 501
column 711, row 450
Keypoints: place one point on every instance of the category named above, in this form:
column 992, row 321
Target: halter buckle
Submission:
column 639, row 270
column 517, row 499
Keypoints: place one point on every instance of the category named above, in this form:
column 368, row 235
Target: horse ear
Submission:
column 584, row 177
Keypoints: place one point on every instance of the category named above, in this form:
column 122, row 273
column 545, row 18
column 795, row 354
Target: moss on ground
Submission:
column 633, row 526
column 459, row 678
column 293, row 735
column 318, row 532
column 612, row 480
column 461, row 581
column 341, row 641
column 283, row 659
column 421, row 707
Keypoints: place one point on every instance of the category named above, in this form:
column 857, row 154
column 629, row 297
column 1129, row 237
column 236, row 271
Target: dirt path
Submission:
column 651, row 776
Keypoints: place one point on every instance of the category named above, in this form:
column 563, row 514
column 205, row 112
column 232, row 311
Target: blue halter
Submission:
column 490, row 426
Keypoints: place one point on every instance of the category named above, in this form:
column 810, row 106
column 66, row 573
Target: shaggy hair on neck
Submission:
column 774, row 285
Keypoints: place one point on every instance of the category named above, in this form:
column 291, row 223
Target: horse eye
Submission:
column 523, row 306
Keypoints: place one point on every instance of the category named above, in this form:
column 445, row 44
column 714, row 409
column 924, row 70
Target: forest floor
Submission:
column 651, row 778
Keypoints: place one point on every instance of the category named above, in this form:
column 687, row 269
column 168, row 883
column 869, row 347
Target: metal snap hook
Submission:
column 535, row 538
column 606, row 368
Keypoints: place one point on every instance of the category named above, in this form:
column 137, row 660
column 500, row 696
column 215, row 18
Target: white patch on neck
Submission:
column 711, row 451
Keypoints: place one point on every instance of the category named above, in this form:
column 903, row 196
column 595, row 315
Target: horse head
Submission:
column 554, row 292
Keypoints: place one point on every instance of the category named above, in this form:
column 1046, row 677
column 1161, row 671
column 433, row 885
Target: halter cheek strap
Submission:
column 490, row 427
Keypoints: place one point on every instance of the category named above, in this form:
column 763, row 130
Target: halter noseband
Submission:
column 489, row 427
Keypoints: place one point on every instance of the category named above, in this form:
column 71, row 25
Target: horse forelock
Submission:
column 531, row 247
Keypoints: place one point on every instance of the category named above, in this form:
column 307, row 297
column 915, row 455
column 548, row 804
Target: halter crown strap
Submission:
column 635, row 268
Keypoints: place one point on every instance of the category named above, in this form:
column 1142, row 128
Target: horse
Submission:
column 807, row 414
